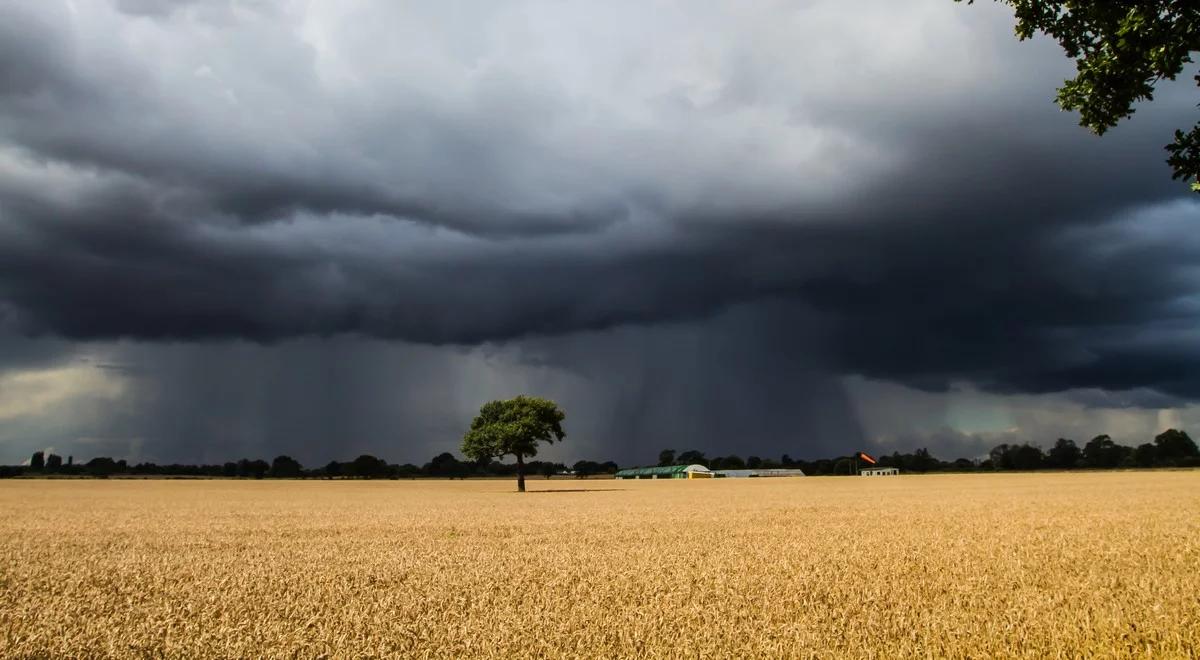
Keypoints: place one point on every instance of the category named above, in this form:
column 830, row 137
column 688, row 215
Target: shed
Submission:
column 761, row 472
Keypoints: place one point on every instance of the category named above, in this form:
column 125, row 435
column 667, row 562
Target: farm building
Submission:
column 701, row 472
column 765, row 472
column 666, row 472
column 879, row 472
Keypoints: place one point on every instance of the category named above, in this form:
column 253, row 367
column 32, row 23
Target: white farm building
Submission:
column 701, row 472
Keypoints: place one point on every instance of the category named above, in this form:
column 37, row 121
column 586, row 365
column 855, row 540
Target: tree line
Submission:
column 366, row 466
column 1171, row 448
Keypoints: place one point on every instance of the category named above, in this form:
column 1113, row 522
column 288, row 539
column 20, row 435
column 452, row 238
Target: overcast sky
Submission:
column 250, row 227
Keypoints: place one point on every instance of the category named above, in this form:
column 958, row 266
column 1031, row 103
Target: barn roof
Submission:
column 660, row 470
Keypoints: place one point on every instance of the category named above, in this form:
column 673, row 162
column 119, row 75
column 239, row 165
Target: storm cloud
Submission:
column 691, row 221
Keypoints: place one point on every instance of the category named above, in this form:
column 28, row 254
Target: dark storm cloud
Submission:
column 813, row 193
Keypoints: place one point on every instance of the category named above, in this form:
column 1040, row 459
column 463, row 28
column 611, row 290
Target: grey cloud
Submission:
column 159, row 8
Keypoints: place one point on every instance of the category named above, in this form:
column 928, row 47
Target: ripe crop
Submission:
column 1014, row 565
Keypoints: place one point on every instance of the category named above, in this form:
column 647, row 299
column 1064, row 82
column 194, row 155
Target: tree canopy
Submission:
column 1174, row 444
column 1121, row 51
column 513, row 427
column 285, row 467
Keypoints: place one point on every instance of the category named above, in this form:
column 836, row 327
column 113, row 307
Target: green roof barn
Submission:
column 666, row 472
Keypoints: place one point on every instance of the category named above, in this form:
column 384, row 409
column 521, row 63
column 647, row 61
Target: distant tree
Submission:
column 754, row 462
column 496, row 468
column 692, row 457
column 285, row 467
column 1027, row 457
column 256, row 468
column 408, row 471
column 101, row 466
column 843, row 466
column 585, row 469
column 446, row 466
column 731, row 462
column 922, row 461
column 1063, row 455
column 1102, row 452
column 786, row 461
column 367, row 466
column 333, row 469
column 514, row 427
column 1001, row 457
column 37, row 461
column 1121, row 51
column 229, row 469
column 666, row 457
column 1173, row 445
column 53, row 463
column 1144, row 455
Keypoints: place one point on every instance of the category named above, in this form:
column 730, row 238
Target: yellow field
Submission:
column 1104, row 564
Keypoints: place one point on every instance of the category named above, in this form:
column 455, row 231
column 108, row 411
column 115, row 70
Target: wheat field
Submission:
column 1024, row 565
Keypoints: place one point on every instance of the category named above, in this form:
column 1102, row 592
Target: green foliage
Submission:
column 1173, row 444
column 732, row 462
column 1064, row 455
column 666, row 457
column 1004, row 457
column 285, row 467
column 256, row 468
column 1144, row 455
column 102, row 466
column 513, row 427
column 447, row 466
column 1121, row 50
column 587, row 468
column 1102, row 452
column 366, row 466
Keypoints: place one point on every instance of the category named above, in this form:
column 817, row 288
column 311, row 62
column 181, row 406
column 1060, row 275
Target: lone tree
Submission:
column 515, row 427
column 1121, row 50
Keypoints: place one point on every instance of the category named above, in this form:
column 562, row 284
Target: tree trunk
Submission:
column 520, row 474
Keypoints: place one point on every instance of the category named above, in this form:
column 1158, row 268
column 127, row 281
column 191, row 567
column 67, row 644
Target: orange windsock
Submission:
column 866, row 457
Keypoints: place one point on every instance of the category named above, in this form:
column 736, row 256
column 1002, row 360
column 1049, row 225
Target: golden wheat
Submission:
column 1064, row 565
